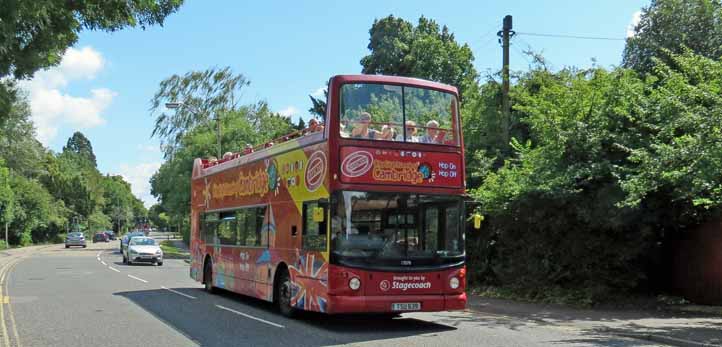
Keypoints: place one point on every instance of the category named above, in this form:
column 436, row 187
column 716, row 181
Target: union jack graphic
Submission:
column 309, row 284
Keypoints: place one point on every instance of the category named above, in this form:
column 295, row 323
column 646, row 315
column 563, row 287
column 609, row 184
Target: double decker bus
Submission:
column 361, row 214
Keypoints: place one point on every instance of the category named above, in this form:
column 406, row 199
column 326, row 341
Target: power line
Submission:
column 573, row 36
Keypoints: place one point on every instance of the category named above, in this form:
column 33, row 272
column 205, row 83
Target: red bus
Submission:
column 362, row 214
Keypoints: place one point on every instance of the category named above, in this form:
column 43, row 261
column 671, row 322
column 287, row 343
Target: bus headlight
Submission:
column 354, row 283
column 454, row 283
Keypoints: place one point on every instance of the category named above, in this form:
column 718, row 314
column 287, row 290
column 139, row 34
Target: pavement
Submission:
column 87, row 297
column 678, row 326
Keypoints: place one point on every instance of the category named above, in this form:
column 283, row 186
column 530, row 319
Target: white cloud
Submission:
column 636, row 17
column 148, row 148
column 318, row 93
column 52, row 107
column 288, row 111
column 138, row 176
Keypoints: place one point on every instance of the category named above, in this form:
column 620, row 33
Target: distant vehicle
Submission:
column 75, row 239
column 126, row 237
column 101, row 237
column 111, row 234
column 142, row 249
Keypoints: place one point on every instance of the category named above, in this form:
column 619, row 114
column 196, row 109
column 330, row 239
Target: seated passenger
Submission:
column 433, row 135
column 227, row 155
column 314, row 126
column 388, row 133
column 410, row 133
column 362, row 131
column 248, row 149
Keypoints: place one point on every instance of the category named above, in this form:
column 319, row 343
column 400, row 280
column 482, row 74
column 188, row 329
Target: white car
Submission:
column 142, row 249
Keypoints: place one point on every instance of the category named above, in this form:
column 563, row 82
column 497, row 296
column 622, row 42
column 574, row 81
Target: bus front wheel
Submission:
column 208, row 277
column 283, row 294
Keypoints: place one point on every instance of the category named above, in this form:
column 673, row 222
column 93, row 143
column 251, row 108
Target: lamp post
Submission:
column 178, row 105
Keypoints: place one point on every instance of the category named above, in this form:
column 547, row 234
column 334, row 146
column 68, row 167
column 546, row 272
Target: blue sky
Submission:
column 288, row 50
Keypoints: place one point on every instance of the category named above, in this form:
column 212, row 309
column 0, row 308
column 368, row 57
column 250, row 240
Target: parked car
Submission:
column 142, row 249
column 126, row 237
column 111, row 234
column 75, row 239
column 101, row 237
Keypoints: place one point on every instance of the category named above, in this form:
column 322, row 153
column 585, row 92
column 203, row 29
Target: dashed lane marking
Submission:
column 179, row 293
column 138, row 278
column 249, row 316
column 114, row 269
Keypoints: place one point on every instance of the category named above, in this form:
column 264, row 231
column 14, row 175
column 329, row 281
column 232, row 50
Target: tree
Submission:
column 34, row 35
column 204, row 94
column 425, row 51
column 673, row 25
column 301, row 124
column 80, row 145
column 318, row 106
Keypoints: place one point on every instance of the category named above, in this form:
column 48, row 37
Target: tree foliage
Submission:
column 35, row 34
column 673, row 25
column 79, row 145
column 203, row 94
column 427, row 51
column 612, row 167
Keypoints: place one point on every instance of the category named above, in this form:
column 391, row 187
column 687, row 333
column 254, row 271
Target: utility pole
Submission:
column 505, row 34
column 218, row 135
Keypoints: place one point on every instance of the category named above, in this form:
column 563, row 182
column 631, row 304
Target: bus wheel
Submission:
column 283, row 293
column 208, row 277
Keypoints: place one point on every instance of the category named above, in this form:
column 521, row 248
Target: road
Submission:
column 87, row 297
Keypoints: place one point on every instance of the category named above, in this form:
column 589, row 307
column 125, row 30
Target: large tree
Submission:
column 427, row 51
column 35, row 34
column 204, row 95
column 80, row 145
column 674, row 25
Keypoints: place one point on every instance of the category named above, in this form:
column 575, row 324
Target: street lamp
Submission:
column 179, row 105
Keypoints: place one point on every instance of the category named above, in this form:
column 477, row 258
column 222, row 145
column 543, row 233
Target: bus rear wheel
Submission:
column 283, row 295
column 208, row 277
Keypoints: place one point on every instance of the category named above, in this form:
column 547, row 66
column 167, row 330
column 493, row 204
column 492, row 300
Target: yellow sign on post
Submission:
column 477, row 221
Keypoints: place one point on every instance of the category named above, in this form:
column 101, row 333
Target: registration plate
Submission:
column 406, row 306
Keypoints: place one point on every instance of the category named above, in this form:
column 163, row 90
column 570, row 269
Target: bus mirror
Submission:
column 477, row 221
column 318, row 213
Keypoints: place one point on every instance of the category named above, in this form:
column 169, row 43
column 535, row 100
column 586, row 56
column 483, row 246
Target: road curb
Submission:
column 673, row 341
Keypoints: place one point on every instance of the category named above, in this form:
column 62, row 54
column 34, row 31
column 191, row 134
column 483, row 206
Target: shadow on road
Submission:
column 200, row 320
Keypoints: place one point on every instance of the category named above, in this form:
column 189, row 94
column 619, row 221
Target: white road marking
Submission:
column 249, row 316
column 179, row 293
column 137, row 278
column 98, row 255
column 102, row 262
column 114, row 269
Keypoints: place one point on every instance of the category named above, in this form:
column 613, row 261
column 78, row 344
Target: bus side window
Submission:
column 210, row 223
column 227, row 228
column 314, row 233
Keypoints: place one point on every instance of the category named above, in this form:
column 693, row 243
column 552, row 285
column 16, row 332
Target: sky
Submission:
column 288, row 50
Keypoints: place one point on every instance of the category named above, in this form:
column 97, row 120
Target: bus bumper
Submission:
column 383, row 304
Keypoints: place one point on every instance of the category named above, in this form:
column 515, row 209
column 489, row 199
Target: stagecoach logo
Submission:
column 315, row 171
column 405, row 283
column 357, row 164
column 385, row 285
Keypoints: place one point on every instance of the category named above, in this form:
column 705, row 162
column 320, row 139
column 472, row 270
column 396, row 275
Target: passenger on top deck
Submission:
column 227, row 155
column 248, row 149
column 433, row 135
column 388, row 133
column 314, row 126
column 361, row 130
column 410, row 132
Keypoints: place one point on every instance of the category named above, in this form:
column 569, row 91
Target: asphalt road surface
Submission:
column 87, row 297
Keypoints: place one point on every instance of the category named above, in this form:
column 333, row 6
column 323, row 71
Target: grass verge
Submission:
column 172, row 252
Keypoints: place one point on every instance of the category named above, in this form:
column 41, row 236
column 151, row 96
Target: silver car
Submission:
column 142, row 249
column 75, row 239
